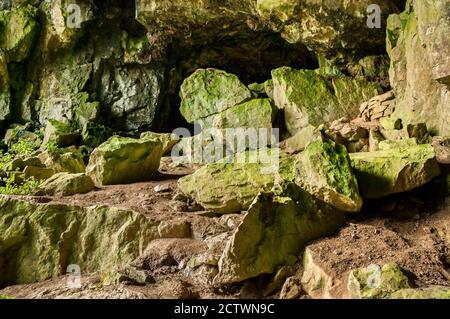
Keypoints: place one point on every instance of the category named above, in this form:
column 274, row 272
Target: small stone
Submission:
column 162, row 188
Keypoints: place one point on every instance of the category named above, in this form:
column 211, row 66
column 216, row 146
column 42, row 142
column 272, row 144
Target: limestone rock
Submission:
column 60, row 134
column 436, row 292
column 418, row 46
column 226, row 187
column 311, row 99
column 123, row 160
column 99, row 239
column 168, row 140
column 5, row 94
column 19, row 28
column 140, row 95
column 442, row 149
column 63, row 161
column 395, row 170
column 378, row 107
column 38, row 173
column 274, row 230
column 377, row 282
column 210, row 91
column 324, row 170
column 258, row 113
column 65, row 184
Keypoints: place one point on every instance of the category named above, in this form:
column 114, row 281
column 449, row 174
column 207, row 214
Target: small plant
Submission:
column 51, row 148
column 5, row 297
column 23, row 147
column 11, row 187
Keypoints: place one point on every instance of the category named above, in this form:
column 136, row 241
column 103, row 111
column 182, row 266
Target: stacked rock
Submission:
column 378, row 107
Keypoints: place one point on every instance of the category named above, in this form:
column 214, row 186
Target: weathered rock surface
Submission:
column 123, row 160
column 418, row 46
column 274, row 230
column 226, row 187
column 394, row 170
column 257, row 113
column 96, row 238
column 324, row 170
column 309, row 99
column 377, row 282
column 64, row 184
column 208, row 92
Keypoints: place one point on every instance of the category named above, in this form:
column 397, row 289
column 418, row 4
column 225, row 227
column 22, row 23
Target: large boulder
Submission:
column 272, row 233
column 122, row 160
column 324, row 170
column 377, row 282
column 210, row 91
column 257, row 113
column 65, row 184
column 394, row 170
column 228, row 187
column 98, row 239
column 18, row 30
column 419, row 46
column 310, row 99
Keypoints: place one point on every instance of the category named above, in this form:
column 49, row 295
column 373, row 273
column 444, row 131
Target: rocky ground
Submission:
column 411, row 230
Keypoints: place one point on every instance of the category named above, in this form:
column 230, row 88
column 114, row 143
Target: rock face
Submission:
column 211, row 91
column 64, row 184
column 272, row 233
column 324, row 170
column 310, row 99
column 395, row 170
column 123, row 160
column 418, row 46
column 330, row 28
column 96, row 238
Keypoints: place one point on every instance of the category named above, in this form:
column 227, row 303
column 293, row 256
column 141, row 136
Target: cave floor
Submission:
column 419, row 243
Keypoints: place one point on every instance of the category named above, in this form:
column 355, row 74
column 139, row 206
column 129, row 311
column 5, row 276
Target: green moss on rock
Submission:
column 395, row 170
column 309, row 98
column 99, row 239
column 210, row 91
column 122, row 160
column 324, row 170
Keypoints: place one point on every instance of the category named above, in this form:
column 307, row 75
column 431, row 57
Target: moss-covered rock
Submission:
column 18, row 30
column 272, row 233
column 395, row 170
column 60, row 134
column 309, row 98
column 69, row 161
column 168, row 140
column 228, row 187
column 5, row 93
column 418, row 45
column 94, row 134
column 258, row 113
column 436, row 292
column 122, row 160
column 210, row 91
column 65, row 184
column 96, row 238
column 377, row 282
column 324, row 170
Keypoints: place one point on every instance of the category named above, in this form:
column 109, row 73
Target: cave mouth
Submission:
column 251, row 57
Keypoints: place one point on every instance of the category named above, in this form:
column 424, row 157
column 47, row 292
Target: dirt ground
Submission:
column 411, row 229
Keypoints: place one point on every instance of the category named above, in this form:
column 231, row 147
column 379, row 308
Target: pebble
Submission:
column 162, row 188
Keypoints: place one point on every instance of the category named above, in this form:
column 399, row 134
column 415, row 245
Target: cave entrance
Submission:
column 251, row 57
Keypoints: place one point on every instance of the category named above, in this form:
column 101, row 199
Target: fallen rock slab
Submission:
column 394, row 170
column 65, row 184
